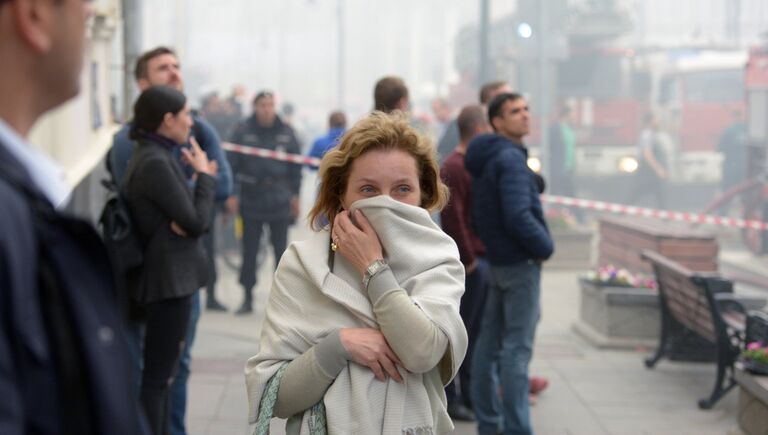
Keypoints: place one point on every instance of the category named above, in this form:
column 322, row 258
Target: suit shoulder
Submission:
column 15, row 206
column 16, row 224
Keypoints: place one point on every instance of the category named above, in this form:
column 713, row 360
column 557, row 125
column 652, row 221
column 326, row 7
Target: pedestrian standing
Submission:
column 507, row 214
column 170, row 221
column 389, row 94
column 63, row 366
column 267, row 189
column 157, row 67
column 457, row 223
column 362, row 329
column 337, row 124
column 653, row 164
column 562, row 154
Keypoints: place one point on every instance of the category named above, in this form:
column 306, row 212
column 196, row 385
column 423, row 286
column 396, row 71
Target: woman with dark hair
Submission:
column 170, row 218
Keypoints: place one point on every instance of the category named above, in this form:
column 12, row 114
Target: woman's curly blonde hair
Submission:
column 377, row 131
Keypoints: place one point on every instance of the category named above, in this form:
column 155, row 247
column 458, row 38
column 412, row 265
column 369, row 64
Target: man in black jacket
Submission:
column 267, row 189
column 508, row 217
column 63, row 365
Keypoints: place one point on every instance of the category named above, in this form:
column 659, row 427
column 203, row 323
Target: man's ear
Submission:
column 143, row 84
column 493, row 124
column 35, row 20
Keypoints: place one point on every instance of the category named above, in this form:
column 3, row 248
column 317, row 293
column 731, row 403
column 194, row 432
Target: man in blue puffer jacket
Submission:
column 508, row 217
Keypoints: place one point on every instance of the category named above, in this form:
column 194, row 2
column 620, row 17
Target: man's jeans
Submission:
column 506, row 341
column 179, row 386
column 134, row 337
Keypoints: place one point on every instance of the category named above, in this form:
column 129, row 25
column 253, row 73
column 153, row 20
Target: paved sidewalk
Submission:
column 591, row 391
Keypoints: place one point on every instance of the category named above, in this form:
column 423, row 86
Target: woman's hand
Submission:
column 356, row 240
column 197, row 158
column 368, row 347
column 176, row 228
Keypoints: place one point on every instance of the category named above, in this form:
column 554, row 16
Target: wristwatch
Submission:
column 372, row 269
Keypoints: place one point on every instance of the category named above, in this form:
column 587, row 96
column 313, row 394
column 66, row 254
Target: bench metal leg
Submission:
column 720, row 389
column 660, row 352
column 664, row 341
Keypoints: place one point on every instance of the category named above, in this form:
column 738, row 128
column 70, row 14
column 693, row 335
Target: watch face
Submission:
column 376, row 265
column 372, row 270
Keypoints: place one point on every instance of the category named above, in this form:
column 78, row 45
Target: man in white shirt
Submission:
column 63, row 368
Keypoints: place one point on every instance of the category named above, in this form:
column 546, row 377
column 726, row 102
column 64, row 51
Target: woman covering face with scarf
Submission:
column 362, row 329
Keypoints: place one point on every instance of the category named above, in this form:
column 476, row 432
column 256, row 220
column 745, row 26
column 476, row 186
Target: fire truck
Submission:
column 612, row 84
column 694, row 92
column 754, row 192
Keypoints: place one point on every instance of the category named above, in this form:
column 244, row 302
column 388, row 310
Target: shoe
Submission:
column 246, row 308
column 460, row 412
column 214, row 305
column 537, row 384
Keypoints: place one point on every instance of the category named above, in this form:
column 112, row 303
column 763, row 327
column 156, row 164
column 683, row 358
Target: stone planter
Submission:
column 753, row 402
column 573, row 249
column 618, row 317
column 628, row 317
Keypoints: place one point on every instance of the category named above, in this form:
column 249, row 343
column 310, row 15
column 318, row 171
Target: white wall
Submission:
column 69, row 134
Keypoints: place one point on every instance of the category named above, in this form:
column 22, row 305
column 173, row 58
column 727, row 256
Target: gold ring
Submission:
column 334, row 245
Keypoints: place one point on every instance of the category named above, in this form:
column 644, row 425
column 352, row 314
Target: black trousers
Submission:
column 166, row 328
column 471, row 310
column 252, row 230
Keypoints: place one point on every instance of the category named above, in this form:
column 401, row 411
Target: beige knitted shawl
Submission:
column 308, row 301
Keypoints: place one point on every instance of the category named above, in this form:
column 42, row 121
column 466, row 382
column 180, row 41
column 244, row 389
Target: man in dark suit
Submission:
column 63, row 367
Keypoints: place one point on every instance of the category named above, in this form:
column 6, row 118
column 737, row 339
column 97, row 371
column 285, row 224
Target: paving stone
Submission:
column 592, row 391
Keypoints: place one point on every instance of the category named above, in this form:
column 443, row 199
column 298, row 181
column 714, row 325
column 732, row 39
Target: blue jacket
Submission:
column 506, row 210
column 78, row 274
column 326, row 142
column 122, row 149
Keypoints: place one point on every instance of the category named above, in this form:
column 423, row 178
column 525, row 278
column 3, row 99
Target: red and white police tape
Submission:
column 694, row 218
column 271, row 154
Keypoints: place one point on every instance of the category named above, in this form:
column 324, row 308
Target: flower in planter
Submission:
column 755, row 358
column 613, row 276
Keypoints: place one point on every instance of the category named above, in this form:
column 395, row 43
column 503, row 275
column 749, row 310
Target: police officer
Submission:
column 267, row 190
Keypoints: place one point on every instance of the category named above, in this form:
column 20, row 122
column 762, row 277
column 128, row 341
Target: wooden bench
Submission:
column 702, row 305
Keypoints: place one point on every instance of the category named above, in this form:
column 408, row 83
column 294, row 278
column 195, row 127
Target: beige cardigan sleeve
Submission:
column 415, row 339
column 307, row 377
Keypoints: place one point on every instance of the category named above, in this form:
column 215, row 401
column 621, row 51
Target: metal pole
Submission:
column 733, row 21
column 132, row 36
column 483, row 72
column 543, row 85
column 340, row 55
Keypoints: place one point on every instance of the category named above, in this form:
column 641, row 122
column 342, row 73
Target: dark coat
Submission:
column 50, row 264
column 506, row 210
column 265, row 186
column 156, row 192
